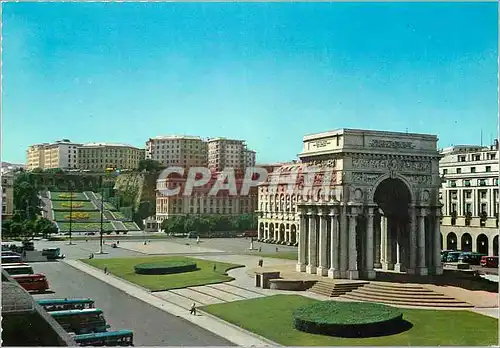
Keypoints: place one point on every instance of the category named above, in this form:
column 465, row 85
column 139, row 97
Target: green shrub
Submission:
column 348, row 319
column 166, row 267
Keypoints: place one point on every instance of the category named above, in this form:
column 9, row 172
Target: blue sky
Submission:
column 264, row 72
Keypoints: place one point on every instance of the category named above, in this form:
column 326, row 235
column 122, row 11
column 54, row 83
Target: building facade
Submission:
column 199, row 202
column 229, row 153
column 60, row 154
column 378, row 207
column 7, row 195
column 183, row 151
column 470, row 198
column 101, row 156
column 35, row 156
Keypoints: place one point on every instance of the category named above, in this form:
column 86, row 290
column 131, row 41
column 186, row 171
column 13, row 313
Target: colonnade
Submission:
column 351, row 241
column 278, row 232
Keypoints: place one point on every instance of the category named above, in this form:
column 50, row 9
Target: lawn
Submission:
column 65, row 196
column 119, row 215
column 286, row 255
column 85, row 226
column 271, row 317
column 131, row 226
column 78, row 215
column 77, row 205
column 124, row 268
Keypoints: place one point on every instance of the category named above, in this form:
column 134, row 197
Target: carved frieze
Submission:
column 364, row 178
column 391, row 144
column 419, row 179
column 392, row 164
column 326, row 163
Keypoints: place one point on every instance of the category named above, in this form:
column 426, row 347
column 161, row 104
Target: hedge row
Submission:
column 165, row 267
column 348, row 319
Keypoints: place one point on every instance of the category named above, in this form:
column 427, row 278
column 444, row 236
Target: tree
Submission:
column 145, row 210
column 28, row 229
column 45, row 227
column 26, row 196
column 149, row 165
column 175, row 224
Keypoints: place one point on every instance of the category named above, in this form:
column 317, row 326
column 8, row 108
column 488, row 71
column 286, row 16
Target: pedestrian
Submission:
column 105, row 270
column 260, row 249
column 117, row 242
column 193, row 309
column 261, row 262
column 86, row 240
column 144, row 242
column 215, row 267
column 276, row 249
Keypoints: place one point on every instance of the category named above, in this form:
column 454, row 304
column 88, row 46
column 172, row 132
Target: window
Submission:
column 476, row 157
column 472, row 169
column 482, row 182
column 482, row 194
column 461, row 158
column 459, row 170
column 488, row 169
column 445, row 171
column 467, row 183
column 492, row 156
column 453, row 183
column 468, row 194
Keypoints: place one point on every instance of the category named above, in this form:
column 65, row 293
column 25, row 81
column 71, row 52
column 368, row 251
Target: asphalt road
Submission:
column 151, row 326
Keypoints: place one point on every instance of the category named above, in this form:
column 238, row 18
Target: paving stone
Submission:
column 179, row 300
column 236, row 290
column 204, row 299
column 222, row 295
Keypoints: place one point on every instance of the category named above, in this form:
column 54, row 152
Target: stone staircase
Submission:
column 404, row 295
column 119, row 226
column 335, row 289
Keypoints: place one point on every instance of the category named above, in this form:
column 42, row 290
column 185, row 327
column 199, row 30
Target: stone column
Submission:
column 370, row 273
column 378, row 236
column 323, row 247
column 397, row 266
column 311, row 266
column 383, row 242
column 334, row 271
column 353, row 255
column 422, row 268
column 437, row 244
column 301, row 262
column 412, row 241
column 344, row 242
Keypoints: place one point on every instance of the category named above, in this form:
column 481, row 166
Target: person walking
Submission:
column 105, row 270
column 215, row 267
column 193, row 309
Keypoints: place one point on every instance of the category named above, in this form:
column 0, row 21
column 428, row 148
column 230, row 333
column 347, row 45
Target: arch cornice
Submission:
column 393, row 176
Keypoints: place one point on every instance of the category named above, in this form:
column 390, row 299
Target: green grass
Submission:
column 285, row 255
column 119, row 216
column 109, row 206
column 85, row 227
column 61, row 205
column 131, row 226
column 64, row 196
column 124, row 268
column 271, row 317
column 64, row 216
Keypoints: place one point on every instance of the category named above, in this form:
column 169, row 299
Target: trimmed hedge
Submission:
column 348, row 319
column 165, row 267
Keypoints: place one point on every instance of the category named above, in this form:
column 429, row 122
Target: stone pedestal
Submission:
column 311, row 269
column 333, row 273
column 353, row 274
column 322, row 271
column 422, row 271
column 371, row 274
column 300, row 267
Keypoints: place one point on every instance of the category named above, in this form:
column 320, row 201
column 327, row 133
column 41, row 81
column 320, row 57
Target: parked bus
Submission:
column 64, row 304
column 112, row 338
column 32, row 282
column 18, row 268
column 11, row 259
column 10, row 253
column 81, row 321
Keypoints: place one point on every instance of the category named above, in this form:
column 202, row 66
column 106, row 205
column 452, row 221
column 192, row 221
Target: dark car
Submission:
column 489, row 261
column 471, row 258
column 453, row 256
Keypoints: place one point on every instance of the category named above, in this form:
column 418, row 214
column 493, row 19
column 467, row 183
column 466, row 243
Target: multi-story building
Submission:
column 183, row 151
column 7, row 195
column 61, row 154
column 469, row 196
column 224, row 153
column 36, row 156
column 199, row 202
column 101, row 156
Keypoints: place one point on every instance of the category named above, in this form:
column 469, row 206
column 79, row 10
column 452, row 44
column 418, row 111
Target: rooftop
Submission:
column 107, row 145
column 339, row 131
column 175, row 137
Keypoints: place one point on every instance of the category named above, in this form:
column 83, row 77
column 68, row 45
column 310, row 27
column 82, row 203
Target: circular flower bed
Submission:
column 74, row 205
column 66, row 195
column 348, row 319
column 165, row 267
column 77, row 216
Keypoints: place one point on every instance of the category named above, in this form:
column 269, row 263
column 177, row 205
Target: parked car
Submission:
column 489, row 261
column 471, row 258
column 453, row 256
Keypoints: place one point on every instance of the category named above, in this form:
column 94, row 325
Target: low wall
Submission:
column 291, row 284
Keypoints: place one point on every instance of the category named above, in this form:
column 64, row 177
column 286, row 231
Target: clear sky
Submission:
column 268, row 73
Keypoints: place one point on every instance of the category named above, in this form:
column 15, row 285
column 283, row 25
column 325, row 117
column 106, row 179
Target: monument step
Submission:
column 397, row 286
column 402, row 295
column 409, row 302
column 331, row 289
column 415, row 292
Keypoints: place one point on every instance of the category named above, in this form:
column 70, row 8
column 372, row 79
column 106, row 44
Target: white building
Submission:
column 224, row 153
column 61, row 154
column 177, row 150
column 470, row 198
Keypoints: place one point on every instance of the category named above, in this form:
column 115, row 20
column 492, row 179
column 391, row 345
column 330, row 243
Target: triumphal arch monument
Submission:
column 383, row 210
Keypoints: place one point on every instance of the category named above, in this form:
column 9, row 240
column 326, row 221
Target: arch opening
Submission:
column 451, row 241
column 482, row 244
column 466, row 242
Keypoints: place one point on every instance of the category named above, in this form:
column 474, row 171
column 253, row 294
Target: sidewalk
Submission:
column 226, row 330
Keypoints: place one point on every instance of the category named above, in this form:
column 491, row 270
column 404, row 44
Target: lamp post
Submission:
column 101, row 232
column 70, row 214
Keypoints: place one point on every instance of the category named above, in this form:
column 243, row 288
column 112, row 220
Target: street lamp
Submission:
column 101, row 232
column 70, row 213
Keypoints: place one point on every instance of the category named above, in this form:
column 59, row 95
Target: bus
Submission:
column 64, row 304
column 32, row 282
column 18, row 268
column 10, row 253
column 81, row 321
column 112, row 338
column 11, row 259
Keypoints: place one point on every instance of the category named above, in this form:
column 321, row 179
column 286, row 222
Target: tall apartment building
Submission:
column 183, row 151
column 223, row 153
column 7, row 195
column 200, row 202
column 61, row 154
column 35, row 156
column 470, row 198
column 100, row 156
